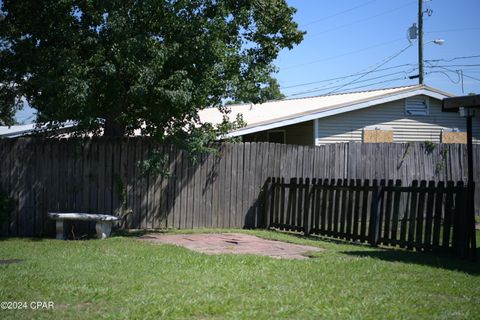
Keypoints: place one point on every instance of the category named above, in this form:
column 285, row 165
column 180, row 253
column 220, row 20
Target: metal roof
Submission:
column 27, row 129
column 274, row 114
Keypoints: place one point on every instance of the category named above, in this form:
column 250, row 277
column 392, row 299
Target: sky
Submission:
column 366, row 36
column 364, row 43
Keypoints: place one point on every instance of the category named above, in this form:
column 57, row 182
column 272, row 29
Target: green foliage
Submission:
column 7, row 111
column 148, row 65
column 121, row 189
column 429, row 146
column 443, row 160
column 156, row 164
column 269, row 92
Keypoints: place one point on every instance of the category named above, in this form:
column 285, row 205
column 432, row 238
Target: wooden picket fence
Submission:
column 425, row 216
column 222, row 190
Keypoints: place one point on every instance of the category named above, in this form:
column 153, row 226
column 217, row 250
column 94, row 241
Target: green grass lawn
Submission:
column 124, row 278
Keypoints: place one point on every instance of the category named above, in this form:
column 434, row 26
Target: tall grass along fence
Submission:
column 425, row 216
column 225, row 189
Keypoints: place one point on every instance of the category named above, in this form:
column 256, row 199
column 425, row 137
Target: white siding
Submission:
column 348, row 126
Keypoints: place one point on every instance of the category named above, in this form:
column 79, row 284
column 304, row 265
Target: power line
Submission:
column 362, row 81
column 455, row 65
column 322, row 88
column 446, row 74
column 344, row 77
column 452, row 30
column 326, row 86
column 453, row 59
column 472, row 70
column 467, row 76
column 380, row 82
column 362, row 20
column 470, row 77
column 370, row 84
column 338, row 13
column 377, row 67
column 341, row 55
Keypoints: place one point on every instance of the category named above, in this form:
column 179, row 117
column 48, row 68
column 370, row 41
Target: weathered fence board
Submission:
column 225, row 189
column 375, row 225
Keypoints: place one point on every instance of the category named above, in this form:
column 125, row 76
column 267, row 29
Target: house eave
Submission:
column 334, row 110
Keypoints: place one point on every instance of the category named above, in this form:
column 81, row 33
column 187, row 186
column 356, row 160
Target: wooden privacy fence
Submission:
column 224, row 190
column 425, row 216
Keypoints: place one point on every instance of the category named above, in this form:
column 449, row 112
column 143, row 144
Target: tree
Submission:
column 152, row 65
column 7, row 111
column 268, row 92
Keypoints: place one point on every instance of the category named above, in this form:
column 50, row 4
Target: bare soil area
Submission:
column 234, row 243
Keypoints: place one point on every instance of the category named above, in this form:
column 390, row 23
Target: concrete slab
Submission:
column 234, row 243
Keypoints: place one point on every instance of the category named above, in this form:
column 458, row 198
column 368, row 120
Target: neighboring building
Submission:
column 66, row 130
column 32, row 129
column 400, row 114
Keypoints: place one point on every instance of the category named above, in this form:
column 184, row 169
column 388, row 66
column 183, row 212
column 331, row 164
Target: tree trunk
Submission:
column 114, row 128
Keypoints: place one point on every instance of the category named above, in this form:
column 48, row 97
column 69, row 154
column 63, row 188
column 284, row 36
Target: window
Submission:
column 417, row 106
column 276, row 136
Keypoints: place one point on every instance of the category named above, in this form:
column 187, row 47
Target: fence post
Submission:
column 472, row 239
column 306, row 208
column 374, row 227
column 461, row 230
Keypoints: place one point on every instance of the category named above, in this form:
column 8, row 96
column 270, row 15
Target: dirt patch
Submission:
column 10, row 261
column 234, row 243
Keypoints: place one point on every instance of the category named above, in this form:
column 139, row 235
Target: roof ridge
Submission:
column 351, row 92
column 415, row 86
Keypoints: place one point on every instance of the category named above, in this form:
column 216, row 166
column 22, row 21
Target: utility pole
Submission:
column 420, row 42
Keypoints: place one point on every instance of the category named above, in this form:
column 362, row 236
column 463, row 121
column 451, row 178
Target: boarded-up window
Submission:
column 454, row 137
column 417, row 106
column 378, row 134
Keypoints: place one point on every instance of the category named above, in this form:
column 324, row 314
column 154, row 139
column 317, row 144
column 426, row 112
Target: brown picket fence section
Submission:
column 425, row 216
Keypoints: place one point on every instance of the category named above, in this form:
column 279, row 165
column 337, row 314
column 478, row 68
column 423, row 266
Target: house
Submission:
column 401, row 114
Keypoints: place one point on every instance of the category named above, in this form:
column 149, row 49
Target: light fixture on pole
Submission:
column 438, row 41
column 420, row 61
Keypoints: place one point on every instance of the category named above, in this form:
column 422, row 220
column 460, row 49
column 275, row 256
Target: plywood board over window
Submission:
column 454, row 137
column 377, row 134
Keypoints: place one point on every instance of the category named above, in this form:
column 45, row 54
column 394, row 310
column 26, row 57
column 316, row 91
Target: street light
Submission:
column 438, row 41
column 420, row 58
column 420, row 74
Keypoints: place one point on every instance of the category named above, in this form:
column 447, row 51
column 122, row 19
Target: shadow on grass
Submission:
column 134, row 233
column 444, row 260
column 33, row 239
column 439, row 260
column 322, row 238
